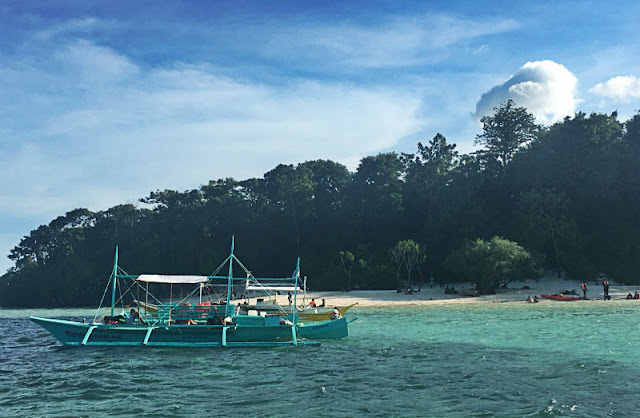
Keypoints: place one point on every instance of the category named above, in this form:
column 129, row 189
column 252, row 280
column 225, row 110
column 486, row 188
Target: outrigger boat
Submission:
column 185, row 325
column 306, row 314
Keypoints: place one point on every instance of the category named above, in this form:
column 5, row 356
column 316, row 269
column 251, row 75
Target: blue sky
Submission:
column 102, row 102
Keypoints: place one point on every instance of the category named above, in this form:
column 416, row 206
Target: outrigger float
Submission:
column 182, row 324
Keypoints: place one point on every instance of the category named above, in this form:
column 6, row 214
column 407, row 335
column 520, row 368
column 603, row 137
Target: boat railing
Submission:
column 184, row 312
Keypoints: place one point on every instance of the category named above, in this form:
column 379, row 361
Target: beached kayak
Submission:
column 560, row 297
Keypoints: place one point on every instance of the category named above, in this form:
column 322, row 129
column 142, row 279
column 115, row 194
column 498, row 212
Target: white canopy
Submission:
column 158, row 278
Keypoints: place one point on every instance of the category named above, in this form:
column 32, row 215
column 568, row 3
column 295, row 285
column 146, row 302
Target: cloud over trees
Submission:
column 547, row 89
column 621, row 87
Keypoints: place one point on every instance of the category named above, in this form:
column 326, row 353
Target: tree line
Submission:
column 564, row 198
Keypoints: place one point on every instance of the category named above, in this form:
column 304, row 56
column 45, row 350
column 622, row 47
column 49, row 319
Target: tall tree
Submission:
column 407, row 254
column 507, row 130
column 492, row 263
column 290, row 191
column 376, row 196
column 348, row 261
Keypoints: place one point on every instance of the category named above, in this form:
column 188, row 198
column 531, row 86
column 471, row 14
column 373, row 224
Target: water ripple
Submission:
column 499, row 361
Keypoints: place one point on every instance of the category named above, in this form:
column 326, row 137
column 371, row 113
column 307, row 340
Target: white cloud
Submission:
column 93, row 65
column 395, row 43
column 621, row 88
column 481, row 50
column 70, row 27
column 547, row 89
column 126, row 132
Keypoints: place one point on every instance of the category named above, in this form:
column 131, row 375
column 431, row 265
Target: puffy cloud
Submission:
column 547, row 89
column 621, row 87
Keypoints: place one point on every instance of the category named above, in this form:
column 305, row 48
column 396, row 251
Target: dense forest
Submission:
column 567, row 194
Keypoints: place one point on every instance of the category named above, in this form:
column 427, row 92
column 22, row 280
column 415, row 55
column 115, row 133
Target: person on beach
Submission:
column 583, row 286
column 535, row 299
column 529, row 299
column 629, row 296
column 636, row 295
column 313, row 303
column 605, row 289
column 289, row 297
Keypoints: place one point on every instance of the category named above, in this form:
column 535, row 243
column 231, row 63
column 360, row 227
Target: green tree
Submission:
column 348, row 261
column 290, row 191
column 507, row 130
column 330, row 181
column 406, row 254
column 546, row 222
column 492, row 264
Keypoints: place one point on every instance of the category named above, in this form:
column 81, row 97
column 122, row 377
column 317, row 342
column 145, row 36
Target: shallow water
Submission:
column 508, row 360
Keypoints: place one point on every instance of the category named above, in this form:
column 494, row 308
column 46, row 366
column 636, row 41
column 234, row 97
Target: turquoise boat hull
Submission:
column 76, row 334
column 248, row 332
column 334, row 330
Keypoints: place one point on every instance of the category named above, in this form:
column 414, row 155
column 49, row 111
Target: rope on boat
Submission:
column 103, row 296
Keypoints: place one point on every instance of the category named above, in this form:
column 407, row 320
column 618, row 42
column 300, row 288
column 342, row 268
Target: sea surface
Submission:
column 574, row 359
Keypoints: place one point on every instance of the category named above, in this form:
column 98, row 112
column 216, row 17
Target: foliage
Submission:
column 348, row 261
column 508, row 129
column 406, row 254
column 492, row 264
column 568, row 193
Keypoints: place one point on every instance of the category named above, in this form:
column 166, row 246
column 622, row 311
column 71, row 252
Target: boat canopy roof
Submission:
column 173, row 279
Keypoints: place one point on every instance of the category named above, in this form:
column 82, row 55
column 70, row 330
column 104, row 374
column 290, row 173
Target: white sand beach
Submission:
column 516, row 292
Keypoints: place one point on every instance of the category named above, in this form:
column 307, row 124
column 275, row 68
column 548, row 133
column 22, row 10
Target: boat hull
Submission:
column 325, row 330
column 246, row 333
column 308, row 314
column 76, row 333
column 563, row 298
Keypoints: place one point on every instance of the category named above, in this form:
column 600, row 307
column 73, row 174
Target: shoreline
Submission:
column 427, row 296
column 516, row 292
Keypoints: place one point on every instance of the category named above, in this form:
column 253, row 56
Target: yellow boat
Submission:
column 149, row 308
column 313, row 314
column 308, row 314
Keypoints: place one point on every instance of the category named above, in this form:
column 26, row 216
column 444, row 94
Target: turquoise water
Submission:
column 479, row 360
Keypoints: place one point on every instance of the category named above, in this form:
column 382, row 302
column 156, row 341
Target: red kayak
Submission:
column 560, row 297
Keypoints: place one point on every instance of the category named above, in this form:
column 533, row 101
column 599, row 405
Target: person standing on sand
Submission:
column 605, row 288
column 584, row 289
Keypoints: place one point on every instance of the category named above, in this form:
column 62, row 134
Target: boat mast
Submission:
column 113, row 274
column 230, row 278
column 296, row 277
